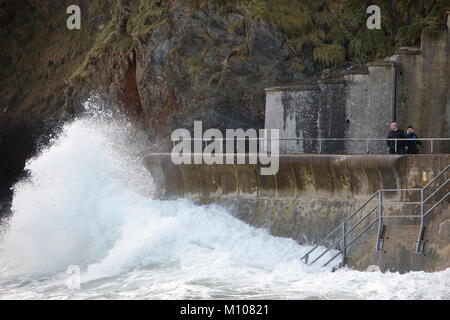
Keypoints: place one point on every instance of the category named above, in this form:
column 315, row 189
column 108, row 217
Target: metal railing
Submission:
column 321, row 142
column 419, row 246
column 370, row 141
column 342, row 242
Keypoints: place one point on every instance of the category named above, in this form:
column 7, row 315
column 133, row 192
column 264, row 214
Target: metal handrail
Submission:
column 403, row 202
column 405, row 216
column 351, row 242
column 419, row 242
column 435, row 178
column 346, row 233
column 436, row 204
column 437, row 190
column 311, row 139
column 399, row 190
column 265, row 139
column 380, row 203
column 340, row 226
column 365, row 139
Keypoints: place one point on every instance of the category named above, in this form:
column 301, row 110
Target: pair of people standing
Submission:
column 399, row 146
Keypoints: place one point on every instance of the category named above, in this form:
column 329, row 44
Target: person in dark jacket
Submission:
column 396, row 133
column 412, row 145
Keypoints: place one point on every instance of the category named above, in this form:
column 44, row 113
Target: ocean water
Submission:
column 87, row 208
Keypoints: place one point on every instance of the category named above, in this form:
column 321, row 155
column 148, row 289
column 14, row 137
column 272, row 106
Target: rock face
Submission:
column 18, row 140
column 37, row 54
column 208, row 79
column 199, row 65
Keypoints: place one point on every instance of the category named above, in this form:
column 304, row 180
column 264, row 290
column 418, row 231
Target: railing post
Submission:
column 379, row 244
column 422, row 204
column 395, row 145
column 344, row 244
column 432, row 146
column 320, row 145
column 420, row 239
column 367, row 146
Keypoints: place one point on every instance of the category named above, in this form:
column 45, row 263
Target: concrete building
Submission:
column 411, row 87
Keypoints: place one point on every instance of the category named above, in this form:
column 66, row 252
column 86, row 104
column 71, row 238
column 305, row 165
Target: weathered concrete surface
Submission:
column 423, row 86
column 299, row 176
column 312, row 194
column 358, row 115
column 361, row 104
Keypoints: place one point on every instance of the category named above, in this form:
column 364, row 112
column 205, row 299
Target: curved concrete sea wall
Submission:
column 312, row 194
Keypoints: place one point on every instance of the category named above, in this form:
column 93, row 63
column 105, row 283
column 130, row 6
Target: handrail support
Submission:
column 379, row 244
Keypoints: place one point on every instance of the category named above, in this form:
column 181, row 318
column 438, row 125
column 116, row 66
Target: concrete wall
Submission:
column 381, row 97
column 358, row 114
column 359, row 105
column 294, row 111
column 312, row 194
column 370, row 106
column 424, row 88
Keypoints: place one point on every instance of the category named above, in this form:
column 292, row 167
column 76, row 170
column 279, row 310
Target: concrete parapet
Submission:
column 300, row 176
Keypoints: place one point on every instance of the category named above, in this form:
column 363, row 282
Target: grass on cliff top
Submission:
column 98, row 49
column 146, row 16
column 337, row 28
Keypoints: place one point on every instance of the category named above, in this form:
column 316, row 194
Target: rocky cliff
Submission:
column 192, row 64
column 167, row 63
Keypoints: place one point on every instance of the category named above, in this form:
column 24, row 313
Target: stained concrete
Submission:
column 361, row 104
column 423, row 87
column 313, row 194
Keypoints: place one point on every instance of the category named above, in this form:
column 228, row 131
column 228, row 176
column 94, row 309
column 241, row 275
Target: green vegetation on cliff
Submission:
column 337, row 28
